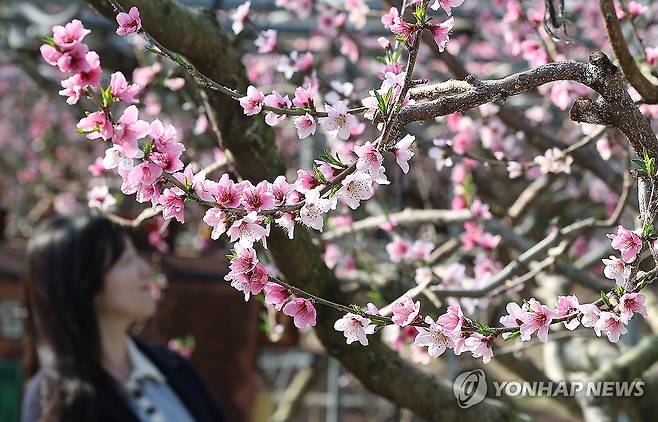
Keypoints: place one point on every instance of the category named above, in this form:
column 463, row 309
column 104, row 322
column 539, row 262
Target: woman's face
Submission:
column 126, row 294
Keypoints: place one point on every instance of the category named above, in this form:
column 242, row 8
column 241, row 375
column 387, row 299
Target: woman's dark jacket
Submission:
column 181, row 377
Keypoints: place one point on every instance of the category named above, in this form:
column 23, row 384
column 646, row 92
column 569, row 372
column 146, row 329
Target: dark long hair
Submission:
column 67, row 260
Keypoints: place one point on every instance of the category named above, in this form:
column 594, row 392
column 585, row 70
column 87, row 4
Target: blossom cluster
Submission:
column 147, row 156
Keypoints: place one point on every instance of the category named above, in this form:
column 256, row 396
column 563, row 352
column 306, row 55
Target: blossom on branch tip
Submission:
column 129, row 23
column 70, row 34
column 514, row 317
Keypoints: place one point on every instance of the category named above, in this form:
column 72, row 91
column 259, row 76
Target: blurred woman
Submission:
column 86, row 285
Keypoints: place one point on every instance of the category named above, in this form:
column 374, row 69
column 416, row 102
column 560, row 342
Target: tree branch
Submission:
column 637, row 79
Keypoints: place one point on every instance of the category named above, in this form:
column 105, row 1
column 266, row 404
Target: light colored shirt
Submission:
column 148, row 393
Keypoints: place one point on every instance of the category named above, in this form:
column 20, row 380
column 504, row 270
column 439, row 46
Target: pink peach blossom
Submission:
column 303, row 312
column 355, row 328
column 70, row 34
column 434, row 337
column 405, row 313
column 276, row 294
column 252, row 103
column 128, row 130
column 129, row 22
column 538, row 318
column 632, row 303
column 627, row 242
column 612, row 325
column 172, row 199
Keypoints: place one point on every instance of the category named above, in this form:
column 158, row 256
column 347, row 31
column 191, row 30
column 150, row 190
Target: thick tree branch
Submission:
column 637, row 79
column 614, row 108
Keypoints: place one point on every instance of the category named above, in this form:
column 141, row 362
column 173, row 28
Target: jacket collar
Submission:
column 143, row 368
column 170, row 365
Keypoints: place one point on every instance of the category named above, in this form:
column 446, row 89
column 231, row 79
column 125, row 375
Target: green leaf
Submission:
column 604, row 298
column 420, row 13
column 357, row 309
column 333, row 160
column 375, row 297
column 483, row 329
column 318, row 174
column 150, row 49
column 84, row 132
column 649, row 163
column 148, row 147
column 389, row 96
column 514, row 335
column 647, row 229
column 50, row 41
column 107, row 97
column 380, row 102
column 619, row 290
column 639, row 164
